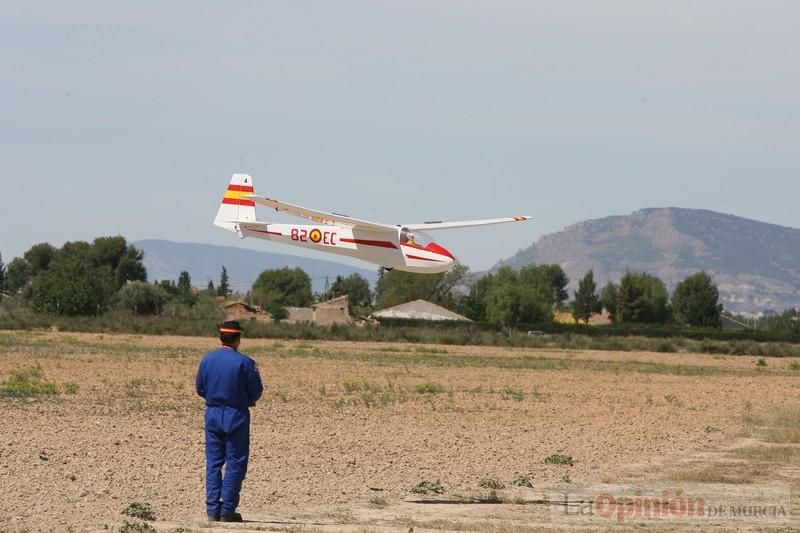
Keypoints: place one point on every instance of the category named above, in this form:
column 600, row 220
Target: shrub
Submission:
column 491, row 483
column 428, row 487
column 142, row 298
column 140, row 510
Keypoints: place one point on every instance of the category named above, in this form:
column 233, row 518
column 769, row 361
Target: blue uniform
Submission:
column 230, row 383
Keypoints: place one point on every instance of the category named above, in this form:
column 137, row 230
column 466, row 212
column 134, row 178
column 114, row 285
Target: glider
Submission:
column 403, row 246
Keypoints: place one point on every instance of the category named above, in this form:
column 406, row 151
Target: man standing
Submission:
column 230, row 383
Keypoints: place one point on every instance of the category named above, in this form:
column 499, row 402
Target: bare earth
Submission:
column 346, row 429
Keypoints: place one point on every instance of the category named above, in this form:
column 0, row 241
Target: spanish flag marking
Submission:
column 234, row 195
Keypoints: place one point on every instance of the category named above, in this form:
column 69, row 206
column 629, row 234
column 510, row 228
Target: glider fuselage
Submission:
column 379, row 247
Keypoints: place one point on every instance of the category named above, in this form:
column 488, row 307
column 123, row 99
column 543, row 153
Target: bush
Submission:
column 428, row 487
column 491, row 483
column 140, row 510
column 142, row 298
column 559, row 459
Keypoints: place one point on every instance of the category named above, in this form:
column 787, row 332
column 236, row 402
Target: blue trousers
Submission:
column 227, row 443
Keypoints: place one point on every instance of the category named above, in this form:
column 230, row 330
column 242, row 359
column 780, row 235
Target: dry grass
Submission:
column 771, row 454
column 731, row 473
column 779, row 425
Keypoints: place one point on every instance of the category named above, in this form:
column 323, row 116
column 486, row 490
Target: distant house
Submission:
column 420, row 310
column 335, row 311
column 239, row 310
column 730, row 323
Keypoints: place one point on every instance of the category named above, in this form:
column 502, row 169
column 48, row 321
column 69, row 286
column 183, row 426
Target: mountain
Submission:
column 166, row 260
column 755, row 265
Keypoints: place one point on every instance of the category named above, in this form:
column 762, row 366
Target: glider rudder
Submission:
column 234, row 208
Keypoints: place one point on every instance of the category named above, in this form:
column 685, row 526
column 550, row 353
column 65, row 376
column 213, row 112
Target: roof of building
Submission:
column 334, row 302
column 419, row 309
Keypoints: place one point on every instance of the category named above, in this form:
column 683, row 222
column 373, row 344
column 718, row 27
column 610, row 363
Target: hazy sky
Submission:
column 129, row 118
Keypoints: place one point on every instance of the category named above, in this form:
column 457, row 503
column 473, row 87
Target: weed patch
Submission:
column 428, row 487
column 559, row 459
column 137, row 527
column 140, row 510
column 525, row 480
column 491, row 483
column 429, row 388
column 27, row 383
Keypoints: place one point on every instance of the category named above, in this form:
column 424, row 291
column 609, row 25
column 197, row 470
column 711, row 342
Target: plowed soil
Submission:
column 345, row 430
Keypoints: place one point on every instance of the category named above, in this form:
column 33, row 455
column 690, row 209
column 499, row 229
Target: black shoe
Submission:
column 213, row 518
column 232, row 517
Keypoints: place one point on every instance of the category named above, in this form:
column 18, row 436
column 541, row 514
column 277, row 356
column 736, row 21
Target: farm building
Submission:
column 421, row 310
column 241, row 311
column 333, row 311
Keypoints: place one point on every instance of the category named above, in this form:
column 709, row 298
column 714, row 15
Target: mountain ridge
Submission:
column 756, row 265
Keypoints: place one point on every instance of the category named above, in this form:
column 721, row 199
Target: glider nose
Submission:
column 441, row 251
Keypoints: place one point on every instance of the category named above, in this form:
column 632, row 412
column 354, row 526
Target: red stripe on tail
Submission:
column 237, row 201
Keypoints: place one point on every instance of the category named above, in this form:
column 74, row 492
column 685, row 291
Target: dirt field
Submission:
column 345, row 430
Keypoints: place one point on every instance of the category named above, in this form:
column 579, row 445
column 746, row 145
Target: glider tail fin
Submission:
column 234, row 207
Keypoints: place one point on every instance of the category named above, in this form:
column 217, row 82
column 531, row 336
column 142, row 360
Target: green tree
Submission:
column 695, row 301
column 549, row 280
column 142, row 298
column 475, row 302
column 586, row 302
column 284, row 287
column 124, row 261
column 642, row 298
column 608, row 298
column 184, row 292
column 512, row 304
column 356, row 287
column 168, row 286
column 786, row 322
column 447, row 293
column 184, row 281
column 18, row 275
column 130, row 266
column 511, row 298
column 39, row 257
column 224, row 288
column 2, row 275
column 396, row 287
column 71, row 283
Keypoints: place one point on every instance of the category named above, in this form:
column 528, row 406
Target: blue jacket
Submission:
column 227, row 378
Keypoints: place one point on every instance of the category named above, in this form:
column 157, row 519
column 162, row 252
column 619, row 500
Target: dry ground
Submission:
column 346, row 429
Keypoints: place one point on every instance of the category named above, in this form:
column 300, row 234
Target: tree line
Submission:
column 87, row 278
column 90, row 278
column 507, row 297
